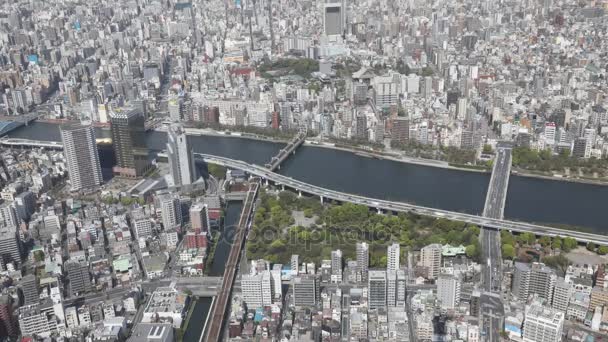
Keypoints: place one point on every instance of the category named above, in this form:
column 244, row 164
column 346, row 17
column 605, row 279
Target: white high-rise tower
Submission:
column 181, row 160
column 82, row 158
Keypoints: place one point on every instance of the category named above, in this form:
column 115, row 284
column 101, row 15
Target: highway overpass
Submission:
column 392, row 206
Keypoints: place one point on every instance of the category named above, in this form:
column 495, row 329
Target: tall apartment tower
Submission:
column 334, row 17
column 181, row 159
column 430, row 257
column 533, row 279
column 363, row 259
column 295, row 263
column 400, row 131
column 336, row 266
column 10, row 246
column 82, row 158
column 199, row 218
column 171, row 210
column 377, row 289
column 392, row 257
column 395, row 288
column 305, row 290
column 128, row 139
column 561, row 295
column 543, row 324
column 448, row 291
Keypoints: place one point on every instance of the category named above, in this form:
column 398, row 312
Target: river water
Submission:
column 529, row 199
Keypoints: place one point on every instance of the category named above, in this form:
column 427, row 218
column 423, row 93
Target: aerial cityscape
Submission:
column 303, row 170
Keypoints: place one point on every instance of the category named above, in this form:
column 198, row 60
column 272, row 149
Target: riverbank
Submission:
column 385, row 155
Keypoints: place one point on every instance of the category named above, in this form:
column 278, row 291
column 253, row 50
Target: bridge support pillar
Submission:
column 299, row 193
column 266, row 181
column 282, row 187
column 321, row 197
column 379, row 211
column 279, row 167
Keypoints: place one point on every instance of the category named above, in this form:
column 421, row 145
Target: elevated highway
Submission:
column 492, row 309
column 297, row 141
column 214, row 333
column 392, row 206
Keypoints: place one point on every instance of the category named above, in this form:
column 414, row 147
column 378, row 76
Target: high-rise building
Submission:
column 336, row 266
column 542, row 324
column 37, row 320
column 448, row 291
column 387, row 91
column 395, row 288
column 550, row 133
column 143, row 227
column 392, row 257
column 8, row 325
column 10, row 246
column 430, row 257
column 533, row 279
column 8, row 215
column 29, row 288
column 82, row 157
column 199, row 218
column 363, row 259
column 78, row 276
column 171, row 210
column 25, row 205
column 295, row 263
column 305, row 290
column 400, row 131
column 581, row 148
column 377, row 288
column 257, row 289
column 181, row 159
column 334, row 17
column 361, row 127
column 128, row 139
column 561, row 295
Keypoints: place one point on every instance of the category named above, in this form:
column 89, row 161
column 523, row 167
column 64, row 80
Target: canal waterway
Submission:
column 528, row 199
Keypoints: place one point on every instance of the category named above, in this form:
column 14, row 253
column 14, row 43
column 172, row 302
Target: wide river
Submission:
column 529, row 199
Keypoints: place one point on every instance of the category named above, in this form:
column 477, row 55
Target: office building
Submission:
column 334, row 17
column 257, row 289
column 25, row 205
column 430, row 257
column 143, row 227
column 181, row 159
column 78, row 276
column 171, row 210
column 581, row 148
column 550, row 133
column 305, row 290
column 533, row 279
column 362, row 250
column 336, row 266
column 199, row 217
column 400, row 131
column 10, row 246
column 82, row 157
column 8, row 325
column 361, row 127
column 128, row 140
column 448, row 291
column 387, row 91
column 542, row 324
column 392, row 257
column 37, row 320
column 29, row 289
column 377, row 288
